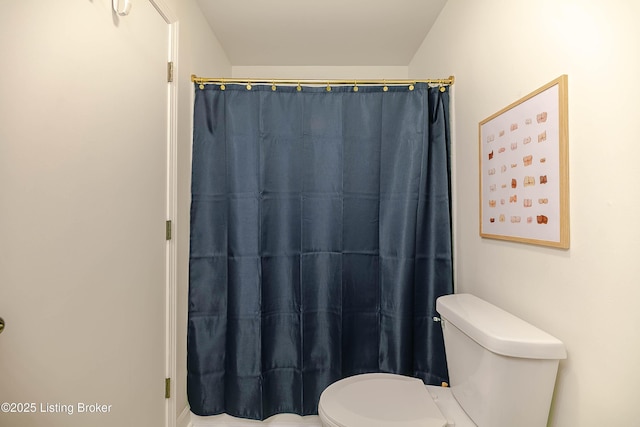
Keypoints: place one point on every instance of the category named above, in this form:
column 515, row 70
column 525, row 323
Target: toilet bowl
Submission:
column 502, row 372
column 379, row 400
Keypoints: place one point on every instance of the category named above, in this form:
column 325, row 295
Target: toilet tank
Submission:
column 502, row 370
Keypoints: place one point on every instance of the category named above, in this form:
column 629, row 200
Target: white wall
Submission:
column 82, row 201
column 56, row 45
column 589, row 295
column 321, row 72
column 200, row 53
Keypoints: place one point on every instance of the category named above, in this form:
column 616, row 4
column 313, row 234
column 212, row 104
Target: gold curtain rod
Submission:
column 362, row 82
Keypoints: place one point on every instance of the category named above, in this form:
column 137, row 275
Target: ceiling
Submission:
column 321, row 32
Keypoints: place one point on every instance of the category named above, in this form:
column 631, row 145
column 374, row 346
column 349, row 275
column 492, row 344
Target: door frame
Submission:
column 171, row 19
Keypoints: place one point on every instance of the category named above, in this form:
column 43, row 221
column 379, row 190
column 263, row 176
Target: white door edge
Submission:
column 171, row 211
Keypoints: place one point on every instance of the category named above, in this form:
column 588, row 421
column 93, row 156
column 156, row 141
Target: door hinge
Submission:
column 170, row 71
column 167, row 388
column 168, row 230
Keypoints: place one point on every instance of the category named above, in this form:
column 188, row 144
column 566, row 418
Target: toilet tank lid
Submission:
column 497, row 330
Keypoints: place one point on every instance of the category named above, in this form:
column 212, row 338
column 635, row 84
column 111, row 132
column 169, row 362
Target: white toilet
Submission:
column 502, row 372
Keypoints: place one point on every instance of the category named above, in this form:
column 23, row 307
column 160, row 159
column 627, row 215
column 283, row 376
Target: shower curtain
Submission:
column 320, row 239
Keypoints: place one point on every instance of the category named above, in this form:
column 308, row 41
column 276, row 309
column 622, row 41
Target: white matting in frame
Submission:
column 524, row 169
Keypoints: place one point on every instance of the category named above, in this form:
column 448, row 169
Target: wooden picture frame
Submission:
column 524, row 169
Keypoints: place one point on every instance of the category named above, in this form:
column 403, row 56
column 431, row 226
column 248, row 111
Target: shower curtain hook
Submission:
column 384, row 88
column 355, row 86
column 299, row 88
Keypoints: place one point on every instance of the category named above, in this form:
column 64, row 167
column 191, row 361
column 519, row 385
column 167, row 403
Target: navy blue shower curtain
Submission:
column 320, row 240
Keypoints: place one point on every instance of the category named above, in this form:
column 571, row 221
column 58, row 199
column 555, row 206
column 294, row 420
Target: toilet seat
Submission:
column 379, row 400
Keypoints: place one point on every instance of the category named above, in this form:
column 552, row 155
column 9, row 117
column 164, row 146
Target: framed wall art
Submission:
column 524, row 169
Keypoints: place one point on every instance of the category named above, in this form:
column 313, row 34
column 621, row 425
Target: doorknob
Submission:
column 1, row 325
